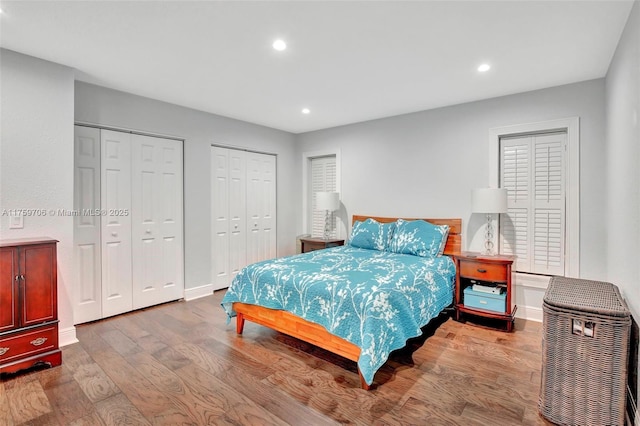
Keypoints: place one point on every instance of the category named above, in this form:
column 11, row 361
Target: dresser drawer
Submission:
column 483, row 271
column 27, row 343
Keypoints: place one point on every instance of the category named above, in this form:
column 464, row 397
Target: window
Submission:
column 542, row 243
column 532, row 169
column 322, row 177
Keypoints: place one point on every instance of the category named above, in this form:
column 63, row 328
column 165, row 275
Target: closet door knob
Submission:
column 114, row 234
column 148, row 231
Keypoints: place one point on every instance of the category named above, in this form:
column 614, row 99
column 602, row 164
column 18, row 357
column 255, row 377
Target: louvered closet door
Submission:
column 532, row 171
column 157, row 220
column 261, row 207
column 88, row 290
column 115, row 195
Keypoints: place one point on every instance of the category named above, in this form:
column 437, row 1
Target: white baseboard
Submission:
column 532, row 281
column 633, row 422
column 530, row 313
column 530, row 291
column 67, row 336
column 632, row 410
column 198, row 292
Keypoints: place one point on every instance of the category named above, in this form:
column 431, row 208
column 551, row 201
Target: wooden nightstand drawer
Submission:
column 312, row 244
column 483, row 271
column 27, row 343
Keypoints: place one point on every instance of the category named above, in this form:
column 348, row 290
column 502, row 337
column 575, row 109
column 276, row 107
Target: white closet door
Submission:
column 261, row 207
column 228, row 207
column 237, row 212
column 115, row 190
column 157, row 220
column 87, row 294
column 220, row 223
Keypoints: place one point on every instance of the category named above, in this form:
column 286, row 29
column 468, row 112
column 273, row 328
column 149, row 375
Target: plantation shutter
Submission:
column 532, row 171
column 515, row 158
column 323, row 178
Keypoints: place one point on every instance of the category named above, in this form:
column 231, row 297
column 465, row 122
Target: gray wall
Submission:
column 623, row 158
column 95, row 104
column 36, row 160
column 427, row 163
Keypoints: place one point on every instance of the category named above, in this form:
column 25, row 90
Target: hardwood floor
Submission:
column 180, row 363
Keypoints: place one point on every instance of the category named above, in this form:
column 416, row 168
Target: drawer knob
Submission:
column 482, row 271
column 39, row 341
column 3, row 351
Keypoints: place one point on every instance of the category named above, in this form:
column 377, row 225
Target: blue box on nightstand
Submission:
column 486, row 301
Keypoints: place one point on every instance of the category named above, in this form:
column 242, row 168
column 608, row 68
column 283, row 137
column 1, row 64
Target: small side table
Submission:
column 476, row 268
column 311, row 244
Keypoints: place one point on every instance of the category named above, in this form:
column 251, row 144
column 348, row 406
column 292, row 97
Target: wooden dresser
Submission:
column 28, row 304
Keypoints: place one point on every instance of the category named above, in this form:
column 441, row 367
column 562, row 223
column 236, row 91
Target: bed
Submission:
column 357, row 301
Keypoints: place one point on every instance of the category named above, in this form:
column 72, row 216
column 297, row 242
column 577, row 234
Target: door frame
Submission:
column 306, row 161
column 571, row 126
column 142, row 133
column 212, row 285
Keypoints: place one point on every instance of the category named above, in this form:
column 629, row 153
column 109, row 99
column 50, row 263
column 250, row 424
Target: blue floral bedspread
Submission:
column 373, row 299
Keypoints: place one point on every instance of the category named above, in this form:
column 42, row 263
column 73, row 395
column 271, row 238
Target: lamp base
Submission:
column 488, row 238
column 327, row 225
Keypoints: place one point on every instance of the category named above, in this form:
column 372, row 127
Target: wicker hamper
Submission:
column 586, row 327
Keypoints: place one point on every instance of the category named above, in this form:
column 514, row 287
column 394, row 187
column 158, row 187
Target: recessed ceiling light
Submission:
column 484, row 68
column 279, row 45
column 306, row 110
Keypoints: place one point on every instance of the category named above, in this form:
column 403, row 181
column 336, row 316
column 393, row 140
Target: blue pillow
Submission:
column 371, row 234
column 419, row 238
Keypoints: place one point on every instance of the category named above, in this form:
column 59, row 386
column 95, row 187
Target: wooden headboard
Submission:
column 454, row 241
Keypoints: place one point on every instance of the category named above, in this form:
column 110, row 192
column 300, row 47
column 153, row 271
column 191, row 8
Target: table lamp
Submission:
column 329, row 202
column 489, row 201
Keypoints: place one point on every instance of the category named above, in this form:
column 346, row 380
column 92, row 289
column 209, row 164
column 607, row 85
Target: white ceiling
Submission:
column 346, row 61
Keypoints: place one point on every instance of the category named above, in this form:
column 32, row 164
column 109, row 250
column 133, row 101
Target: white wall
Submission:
column 99, row 105
column 623, row 158
column 623, row 150
column 36, row 160
column 427, row 163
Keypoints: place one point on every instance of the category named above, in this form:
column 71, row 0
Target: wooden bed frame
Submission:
column 315, row 334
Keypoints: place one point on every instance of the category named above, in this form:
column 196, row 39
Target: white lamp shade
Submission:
column 327, row 201
column 489, row 200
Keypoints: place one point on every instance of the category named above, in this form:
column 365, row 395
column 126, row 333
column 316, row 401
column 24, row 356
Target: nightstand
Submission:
column 311, row 244
column 484, row 286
